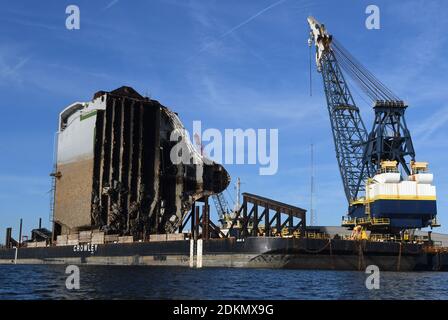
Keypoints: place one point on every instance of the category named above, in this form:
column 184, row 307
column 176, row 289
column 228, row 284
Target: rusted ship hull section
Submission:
column 127, row 181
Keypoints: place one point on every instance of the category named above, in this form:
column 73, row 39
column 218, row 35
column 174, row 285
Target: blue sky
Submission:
column 230, row 64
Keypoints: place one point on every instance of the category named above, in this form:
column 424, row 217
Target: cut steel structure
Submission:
column 125, row 165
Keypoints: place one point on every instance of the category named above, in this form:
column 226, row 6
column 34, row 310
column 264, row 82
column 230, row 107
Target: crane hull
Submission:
column 402, row 214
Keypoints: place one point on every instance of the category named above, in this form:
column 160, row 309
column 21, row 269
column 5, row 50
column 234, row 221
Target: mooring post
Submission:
column 193, row 234
column 16, row 254
column 199, row 254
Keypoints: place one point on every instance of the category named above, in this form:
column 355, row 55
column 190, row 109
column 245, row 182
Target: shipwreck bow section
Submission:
column 114, row 169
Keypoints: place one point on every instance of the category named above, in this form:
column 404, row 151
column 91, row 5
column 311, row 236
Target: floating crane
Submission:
column 380, row 197
column 221, row 205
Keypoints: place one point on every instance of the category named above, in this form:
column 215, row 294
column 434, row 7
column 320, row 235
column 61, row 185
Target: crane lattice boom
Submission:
column 349, row 131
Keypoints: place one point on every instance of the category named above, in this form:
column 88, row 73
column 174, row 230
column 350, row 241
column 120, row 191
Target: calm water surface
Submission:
column 139, row 282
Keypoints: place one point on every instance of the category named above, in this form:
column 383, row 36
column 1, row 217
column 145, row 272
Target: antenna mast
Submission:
column 313, row 217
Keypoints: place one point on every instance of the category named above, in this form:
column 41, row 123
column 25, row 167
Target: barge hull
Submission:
column 256, row 252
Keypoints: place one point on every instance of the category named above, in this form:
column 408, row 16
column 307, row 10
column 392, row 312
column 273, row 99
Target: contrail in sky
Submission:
column 252, row 18
column 12, row 70
column 112, row 3
column 206, row 46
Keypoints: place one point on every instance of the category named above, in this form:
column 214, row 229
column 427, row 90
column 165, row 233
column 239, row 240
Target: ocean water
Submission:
column 140, row 282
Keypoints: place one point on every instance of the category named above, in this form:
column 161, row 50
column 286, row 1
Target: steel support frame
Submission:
column 273, row 214
column 390, row 138
column 201, row 224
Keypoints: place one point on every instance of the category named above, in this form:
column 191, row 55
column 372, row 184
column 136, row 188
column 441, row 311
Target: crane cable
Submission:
column 366, row 83
column 373, row 88
column 367, row 79
column 310, row 67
